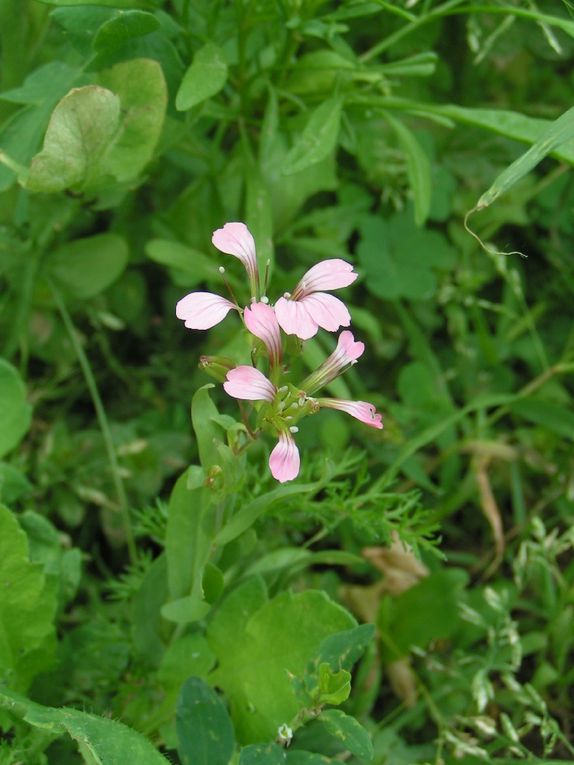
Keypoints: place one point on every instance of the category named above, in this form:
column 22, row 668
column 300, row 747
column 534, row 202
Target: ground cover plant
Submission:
column 342, row 233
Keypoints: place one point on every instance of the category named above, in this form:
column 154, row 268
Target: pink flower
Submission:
column 361, row 410
column 261, row 321
column 202, row 310
column 249, row 383
column 309, row 308
column 284, row 460
column 236, row 239
column 345, row 355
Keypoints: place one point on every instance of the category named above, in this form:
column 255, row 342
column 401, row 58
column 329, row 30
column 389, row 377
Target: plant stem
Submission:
column 102, row 421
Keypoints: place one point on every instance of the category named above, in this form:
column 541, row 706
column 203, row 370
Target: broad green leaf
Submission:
column 548, row 414
column 98, row 134
column 348, row 732
column 204, row 728
column 318, row 139
column 560, row 132
column 400, row 260
column 418, row 169
column 101, row 741
column 235, row 611
column 343, row 649
column 27, row 609
column 86, row 267
column 80, row 131
column 142, row 90
column 188, row 543
column 15, row 411
column 256, row 681
column 124, row 26
column 425, row 612
column 262, row 754
column 204, row 78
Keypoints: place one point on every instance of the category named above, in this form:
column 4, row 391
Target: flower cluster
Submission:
column 300, row 313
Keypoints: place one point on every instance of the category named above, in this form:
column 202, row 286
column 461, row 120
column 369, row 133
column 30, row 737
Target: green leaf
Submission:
column 53, row 78
column 204, row 78
column 348, row 732
column 343, row 649
column 262, row 754
column 98, row 134
column 506, row 123
column 418, row 169
column 428, row 611
column 100, row 741
column 250, row 512
column 15, row 411
column 142, row 90
column 235, row 611
column 257, row 681
column 399, row 259
column 27, row 609
column 550, row 415
column 204, row 729
column 188, row 543
column 560, row 132
column 85, row 267
column 122, row 28
column 318, row 139
column 80, row 131
column 207, row 432
column 190, row 267
column 296, row 757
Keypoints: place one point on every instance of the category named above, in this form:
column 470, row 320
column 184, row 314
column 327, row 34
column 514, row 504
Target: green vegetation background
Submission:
column 362, row 130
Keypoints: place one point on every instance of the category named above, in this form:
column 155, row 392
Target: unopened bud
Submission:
column 221, row 270
column 216, row 366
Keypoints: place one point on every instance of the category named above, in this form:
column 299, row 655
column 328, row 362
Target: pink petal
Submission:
column 236, row 239
column 361, row 410
column 202, row 310
column 329, row 274
column 295, row 319
column 248, row 383
column 327, row 311
column 284, row 461
column 261, row 321
column 347, row 345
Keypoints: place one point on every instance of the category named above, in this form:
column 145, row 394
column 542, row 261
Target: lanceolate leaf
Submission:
column 559, row 133
column 205, row 77
column 318, row 139
column 418, row 169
